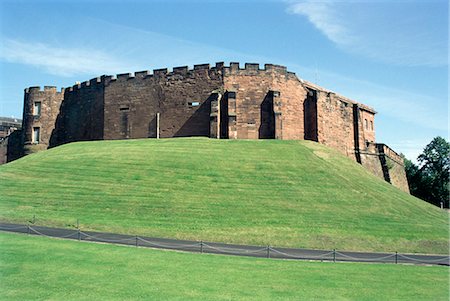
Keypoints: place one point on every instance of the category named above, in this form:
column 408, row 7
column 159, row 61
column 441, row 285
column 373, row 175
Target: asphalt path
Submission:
column 226, row 249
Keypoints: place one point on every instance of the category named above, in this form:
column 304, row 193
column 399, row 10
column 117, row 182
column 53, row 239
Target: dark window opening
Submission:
column 36, row 135
column 267, row 115
column 125, row 128
column 37, row 108
column 310, row 116
column 224, row 117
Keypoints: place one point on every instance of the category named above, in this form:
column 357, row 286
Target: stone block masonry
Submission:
column 224, row 102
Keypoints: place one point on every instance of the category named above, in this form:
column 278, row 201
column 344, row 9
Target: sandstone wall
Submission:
column 50, row 100
column 370, row 159
column 336, row 124
column 81, row 114
column 182, row 97
column 367, row 122
column 396, row 168
column 256, row 104
column 385, row 163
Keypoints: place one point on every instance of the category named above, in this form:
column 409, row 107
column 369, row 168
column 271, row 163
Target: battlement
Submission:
column 383, row 149
column 251, row 68
column 45, row 89
column 254, row 68
column 87, row 84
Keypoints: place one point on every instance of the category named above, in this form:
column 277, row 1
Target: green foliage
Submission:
column 39, row 268
column 389, row 163
column 282, row 193
column 430, row 182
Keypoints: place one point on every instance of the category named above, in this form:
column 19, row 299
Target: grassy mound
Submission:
column 282, row 193
column 38, row 268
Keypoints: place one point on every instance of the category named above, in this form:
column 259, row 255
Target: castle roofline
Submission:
column 232, row 67
column 341, row 97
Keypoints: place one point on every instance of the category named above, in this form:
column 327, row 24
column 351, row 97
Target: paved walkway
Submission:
column 227, row 249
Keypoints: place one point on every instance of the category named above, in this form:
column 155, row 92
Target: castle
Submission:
column 223, row 102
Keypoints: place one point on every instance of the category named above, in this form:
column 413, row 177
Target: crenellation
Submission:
column 34, row 89
column 275, row 68
column 160, row 72
column 143, row 74
column 202, row 67
column 50, row 89
column 94, row 81
column 181, row 70
column 220, row 65
column 234, row 66
column 125, row 76
column 251, row 67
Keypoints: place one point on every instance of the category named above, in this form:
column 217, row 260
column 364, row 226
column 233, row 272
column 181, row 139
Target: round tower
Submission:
column 40, row 109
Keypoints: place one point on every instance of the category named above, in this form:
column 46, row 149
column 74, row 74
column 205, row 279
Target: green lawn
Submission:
column 35, row 268
column 282, row 193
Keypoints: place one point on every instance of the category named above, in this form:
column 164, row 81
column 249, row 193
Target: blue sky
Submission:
column 391, row 55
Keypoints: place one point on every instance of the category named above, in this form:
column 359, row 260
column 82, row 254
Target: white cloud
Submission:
column 58, row 60
column 323, row 15
column 120, row 49
column 390, row 32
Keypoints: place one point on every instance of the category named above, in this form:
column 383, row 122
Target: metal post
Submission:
column 268, row 251
column 157, row 125
column 79, row 234
column 136, row 241
column 28, row 229
column 442, row 205
column 34, row 218
column 396, row 257
column 334, row 255
column 201, row 247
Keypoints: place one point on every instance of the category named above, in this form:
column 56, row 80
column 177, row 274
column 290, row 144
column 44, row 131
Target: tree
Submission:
column 416, row 180
column 435, row 161
column 430, row 182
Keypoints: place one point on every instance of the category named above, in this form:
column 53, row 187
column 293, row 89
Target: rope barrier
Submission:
column 106, row 239
column 302, row 256
column 15, row 228
column 40, row 233
column 365, row 259
column 447, row 259
column 170, row 246
column 236, row 250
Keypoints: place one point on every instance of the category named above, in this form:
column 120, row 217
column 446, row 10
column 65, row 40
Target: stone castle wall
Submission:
column 81, row 113
column 385, row 163
column 221, row 101
column 182, row 98
column 261, row 97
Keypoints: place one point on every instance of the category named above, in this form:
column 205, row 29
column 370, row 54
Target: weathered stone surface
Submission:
column 50, row 101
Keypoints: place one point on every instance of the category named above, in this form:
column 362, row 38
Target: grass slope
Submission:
column 36, row 268
column 282, row 193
